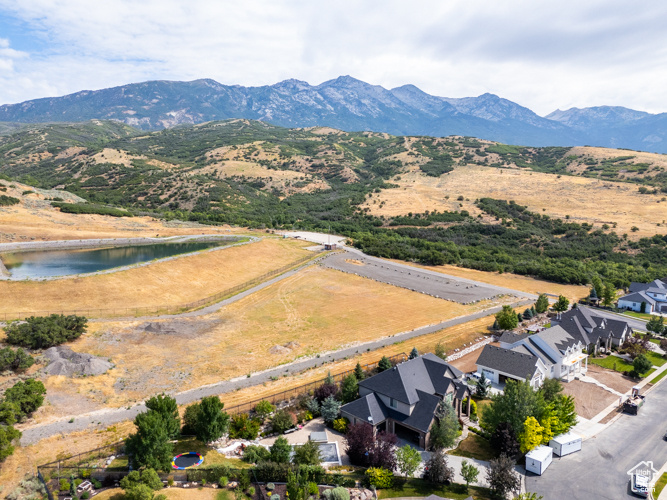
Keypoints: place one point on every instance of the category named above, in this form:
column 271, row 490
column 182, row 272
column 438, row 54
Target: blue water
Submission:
column 49, row 263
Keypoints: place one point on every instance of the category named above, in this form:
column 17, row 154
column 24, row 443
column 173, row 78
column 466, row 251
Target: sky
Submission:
column 542, row 55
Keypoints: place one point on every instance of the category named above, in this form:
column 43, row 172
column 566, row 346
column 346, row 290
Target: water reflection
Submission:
column 47, row 263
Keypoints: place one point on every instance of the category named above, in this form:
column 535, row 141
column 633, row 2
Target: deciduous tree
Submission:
column 150, row 446
column 212, row 422
column 438, row 470
column 502, row 478
column 561, row 304
column 506, row 318
column 407, row 460
column 469, row 473
column 167, row 407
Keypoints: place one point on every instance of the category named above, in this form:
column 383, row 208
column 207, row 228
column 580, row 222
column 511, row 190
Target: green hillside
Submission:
column 253, row 174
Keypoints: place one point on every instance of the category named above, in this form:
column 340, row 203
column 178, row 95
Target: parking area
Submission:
column 418, row 280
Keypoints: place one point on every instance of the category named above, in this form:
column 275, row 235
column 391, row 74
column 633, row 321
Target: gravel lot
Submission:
column 589, row 399
column 417, row 280
column 610, row 378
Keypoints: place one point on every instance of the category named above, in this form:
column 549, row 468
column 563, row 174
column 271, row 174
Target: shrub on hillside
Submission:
column 41, row 332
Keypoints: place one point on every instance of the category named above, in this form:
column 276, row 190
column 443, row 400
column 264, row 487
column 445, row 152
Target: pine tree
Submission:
column 414, row 353
column 384, row 364
column 359, row 372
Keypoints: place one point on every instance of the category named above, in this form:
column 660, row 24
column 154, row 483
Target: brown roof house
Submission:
column 404, row 399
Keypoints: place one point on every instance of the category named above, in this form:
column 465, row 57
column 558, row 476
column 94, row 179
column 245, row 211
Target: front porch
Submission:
column 576, row 365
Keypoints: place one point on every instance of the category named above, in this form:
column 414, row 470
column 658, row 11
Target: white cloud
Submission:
column 542, row 55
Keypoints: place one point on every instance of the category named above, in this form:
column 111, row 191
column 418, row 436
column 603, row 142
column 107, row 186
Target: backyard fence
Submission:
column 98, row 463
column 160, row 309
column 290, row 394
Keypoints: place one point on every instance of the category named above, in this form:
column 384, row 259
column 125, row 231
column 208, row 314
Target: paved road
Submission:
column 413, row 278
column 599, row 471
column 106, row 417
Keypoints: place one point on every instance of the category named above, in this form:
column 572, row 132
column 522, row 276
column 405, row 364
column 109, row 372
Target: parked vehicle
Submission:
column 634, row 402
column 639, row 484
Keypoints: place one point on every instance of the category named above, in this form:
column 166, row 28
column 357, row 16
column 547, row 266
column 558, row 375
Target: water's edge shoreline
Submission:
column 5, row 275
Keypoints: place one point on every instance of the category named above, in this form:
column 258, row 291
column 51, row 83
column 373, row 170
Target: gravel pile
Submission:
column 66, row 362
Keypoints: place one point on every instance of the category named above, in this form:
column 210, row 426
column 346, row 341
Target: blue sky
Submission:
column 543, row 55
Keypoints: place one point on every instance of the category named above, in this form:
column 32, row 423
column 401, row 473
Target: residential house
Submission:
column 652, row 295
column 560, row 351
column 404, row 399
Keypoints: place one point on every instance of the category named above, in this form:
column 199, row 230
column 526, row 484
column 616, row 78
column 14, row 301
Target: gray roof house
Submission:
column 653, row 295
column 404, row 399
column 557, row 352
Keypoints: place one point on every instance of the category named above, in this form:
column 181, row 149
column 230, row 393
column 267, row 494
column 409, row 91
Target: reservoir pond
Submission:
column 51, row 263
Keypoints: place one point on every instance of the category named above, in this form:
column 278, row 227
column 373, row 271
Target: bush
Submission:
column 64, row 485
column 313, row 489
column 84, row 208
column 282, row 420
column 42, row 332
column 324, row 391
column 263, row 409
column 25, row 397
column 85, row 495
column 244, row 480
column 271, row 471
column 18, row 360
column 8, row 201
column 270, row 486
column 223, row 482
column 251, row 491
column 379, row 477
column 337, row 493
column 212, row 473
column 242, row 427
column 254, row 454
column 340, row 425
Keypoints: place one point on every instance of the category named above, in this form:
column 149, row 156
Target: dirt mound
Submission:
column 184, row 328
column 66, row 362
column 278, row 349
column 284, row 349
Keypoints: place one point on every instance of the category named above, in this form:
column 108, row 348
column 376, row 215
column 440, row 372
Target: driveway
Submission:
column 599, row 471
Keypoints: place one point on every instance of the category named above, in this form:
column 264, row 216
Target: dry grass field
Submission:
column 451, row 338
column 513, row 281
column 35, row 220
column 583, row 199
column 26, row 459
column 172, row 282
column 315, row 311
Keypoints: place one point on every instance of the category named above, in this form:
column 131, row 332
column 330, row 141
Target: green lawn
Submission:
column 656, row 359
column 474, row 446
column 421, row 488
column 655, row 341
column 660, row 485
column 612, row 363
column 644, row 316
column 659, row 377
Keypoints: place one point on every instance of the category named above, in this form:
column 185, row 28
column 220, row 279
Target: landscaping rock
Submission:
column 66, row 362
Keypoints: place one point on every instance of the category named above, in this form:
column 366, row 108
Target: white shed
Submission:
column 538, row 460
column 565, row 444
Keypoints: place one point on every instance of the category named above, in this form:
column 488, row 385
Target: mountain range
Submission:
column 352, row 105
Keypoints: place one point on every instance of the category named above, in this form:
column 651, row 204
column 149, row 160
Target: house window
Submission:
column 392, row 403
